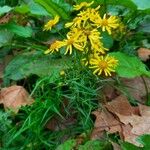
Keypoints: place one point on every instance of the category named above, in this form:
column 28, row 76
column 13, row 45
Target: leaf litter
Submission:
column 118, row 116
column 138, row 87
column 144, row 53
column 14, row 97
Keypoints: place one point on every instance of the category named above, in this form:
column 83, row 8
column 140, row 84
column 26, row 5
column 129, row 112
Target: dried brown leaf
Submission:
column 137, row 87
column 105, row 121
column 128, row 135
column 121, row 117
column 109, row 92
column 144, row 53
column 6, row 18
column 144, row 110
column 14, row 97
column 120, row 105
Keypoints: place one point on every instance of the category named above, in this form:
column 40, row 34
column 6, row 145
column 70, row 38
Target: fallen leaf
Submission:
column 121, row 117
column 137, row 87
column 120, row 105
column 144, row 53
column 128, row 135
column 104, row 121
column 6, row 18
column 14, row 97
column 144, row 110
column 140, row 124
column 109, row 92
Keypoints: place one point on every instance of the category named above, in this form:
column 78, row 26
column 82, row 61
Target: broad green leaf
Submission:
column 129, row 67
column 5, row 9
column 126, row 3
column 107, row 40
column 129, row 146
column 68, row 145
column 66, row 6
column 145, row 141
column 41, row 65
column 96, row 145
column 142, row 4
column 19, row 30
column 37, row 9
column 145, row 24
column 53, row 8
column 5, row 37
column 146, row 11
column 22, row 9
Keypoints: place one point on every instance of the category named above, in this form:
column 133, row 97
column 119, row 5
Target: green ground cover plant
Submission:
column 73, row 57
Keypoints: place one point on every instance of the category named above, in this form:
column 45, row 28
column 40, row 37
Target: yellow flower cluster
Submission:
column 85, row 36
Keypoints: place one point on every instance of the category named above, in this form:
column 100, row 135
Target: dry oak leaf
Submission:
column 135, row 123
column 14, row 97
column 104, row 121
column 109, row 92
column 137, row 87
column 144, row 53
column 120, row 116
column 120, row 105
column 128, row 135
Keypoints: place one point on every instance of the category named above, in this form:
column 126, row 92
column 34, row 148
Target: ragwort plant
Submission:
column 84, row 38
column 77, row 92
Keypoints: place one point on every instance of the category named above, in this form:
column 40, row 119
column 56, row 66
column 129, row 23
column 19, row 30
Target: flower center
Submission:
column 104, row 22
column 54, row 46
column 70, row 41
column 103, row 64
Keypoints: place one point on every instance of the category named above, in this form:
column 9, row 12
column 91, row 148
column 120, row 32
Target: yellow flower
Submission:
column 70, row 42
column 51, row 23
column 86, row 60
column 93, row 35
column 84, row 18
column 81, row 5
column 103, row 64
column 54, row 47
column 108, row 23
column 62, row 73
column 98, row 48
column 75, row 23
